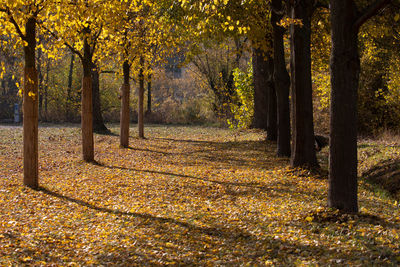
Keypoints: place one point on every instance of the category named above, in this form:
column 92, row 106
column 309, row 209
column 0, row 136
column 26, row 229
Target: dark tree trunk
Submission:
column 149, row 95
column 272, row 127
column 30, row 108
column 124, row 120
column 87, row 107
column 260, row 74
column 345, row 68
column 282, row 82
column 68, row 111
column 303, row 153
column 141, row 99
column 98, row 122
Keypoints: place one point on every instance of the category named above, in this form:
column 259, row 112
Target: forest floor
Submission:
column 188, row 195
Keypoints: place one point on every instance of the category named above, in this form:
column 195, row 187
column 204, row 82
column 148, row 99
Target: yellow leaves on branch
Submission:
column 286, row 22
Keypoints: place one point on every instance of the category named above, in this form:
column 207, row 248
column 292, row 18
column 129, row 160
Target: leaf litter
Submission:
column 185, row 195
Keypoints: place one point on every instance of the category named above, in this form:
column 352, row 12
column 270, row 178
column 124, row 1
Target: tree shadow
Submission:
column 234, row 189
column 230, row 237
column 386, row 176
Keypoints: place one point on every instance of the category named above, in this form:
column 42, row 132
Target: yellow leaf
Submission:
column 309, row 219
column 27, row 259
column 169, row 245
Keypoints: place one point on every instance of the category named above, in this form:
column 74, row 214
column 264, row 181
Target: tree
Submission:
column 20, row 18
column 98, row 121
column 260, row 74
column 303, row 151
column 124, row 116
column 281, row 81
column 272, row 105
column 69, row 88
column 141, row 38
column 82, row 34
column 346, row 20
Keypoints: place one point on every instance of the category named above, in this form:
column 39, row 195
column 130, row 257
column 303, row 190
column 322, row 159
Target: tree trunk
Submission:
column 46, row 87
column 272, row 110
column 30, row 108
column 282, row 82
column 260, row 73
column 141, row 99
column 149, row 95
column 87, row 112
column 345, row 68
column 98, row 122
column 303, row 153
column 40, row 83
column 68, row 111
column 124, row 121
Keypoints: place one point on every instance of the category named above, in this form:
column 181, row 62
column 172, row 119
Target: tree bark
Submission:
column 98, row 122
column 87, row 112
column 141, row 99
column 46, row 87
column 345, row 68
column 272, row 129
column 40, row 83
column 30, row 108
column 282, row 82
column 260, row 73
column 68, row 111
column 303, row 152
column 124, row 121
column 149, row 95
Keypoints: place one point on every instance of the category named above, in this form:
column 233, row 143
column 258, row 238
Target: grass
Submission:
column 184, row 196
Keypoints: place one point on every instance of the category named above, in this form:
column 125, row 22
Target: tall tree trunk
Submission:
column 40, row 83
column 30, row 108
column 345, row 68
column 98, row 122
column 124, row 120
column 281, row 81
column 46, row 87
column 272, row 110
column 68, row 111
column 303, row 153
column 260, row 74
column 149, row 95
column 87, row 112
column 141, row 99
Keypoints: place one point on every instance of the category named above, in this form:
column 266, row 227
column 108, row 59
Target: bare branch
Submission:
column 370, row 11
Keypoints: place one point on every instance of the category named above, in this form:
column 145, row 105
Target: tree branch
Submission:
column 370, row 11
column 321, row 4
column 95, row 40
column 73, row 50
column 12, row 20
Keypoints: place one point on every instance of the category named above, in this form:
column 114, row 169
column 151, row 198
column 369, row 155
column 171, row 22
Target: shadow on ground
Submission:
column 385, row 175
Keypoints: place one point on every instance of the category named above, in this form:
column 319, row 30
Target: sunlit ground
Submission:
column 182, row 196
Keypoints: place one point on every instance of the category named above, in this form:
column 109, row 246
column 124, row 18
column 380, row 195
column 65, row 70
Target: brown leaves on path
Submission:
column 183, row 196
